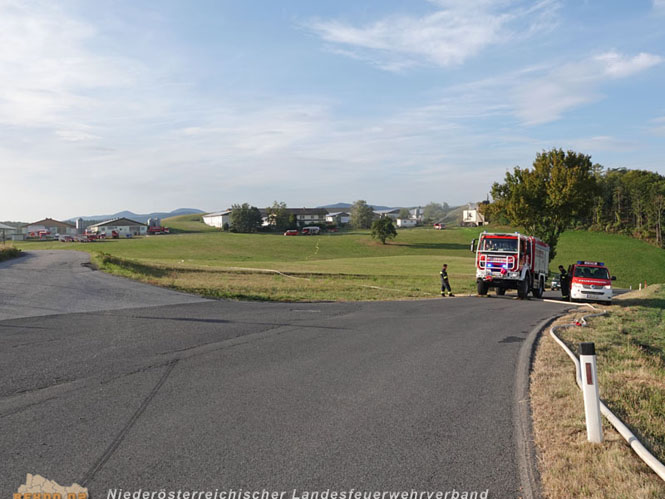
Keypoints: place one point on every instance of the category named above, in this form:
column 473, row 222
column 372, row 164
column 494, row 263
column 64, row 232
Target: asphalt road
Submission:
column 119, row 389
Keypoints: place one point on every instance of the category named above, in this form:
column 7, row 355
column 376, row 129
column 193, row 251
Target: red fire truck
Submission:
column 511, row 261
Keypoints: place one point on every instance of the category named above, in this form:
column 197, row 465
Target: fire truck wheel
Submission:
column 500, row 291
column 538, row 292
column 523, row 288
column 482, row 288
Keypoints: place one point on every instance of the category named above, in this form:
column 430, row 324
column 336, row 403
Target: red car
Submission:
column 291, row 232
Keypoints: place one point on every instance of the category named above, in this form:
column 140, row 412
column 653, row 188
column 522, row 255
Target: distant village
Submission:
column 49, row 228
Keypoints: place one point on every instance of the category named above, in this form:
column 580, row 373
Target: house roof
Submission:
column 338, row 214
column 49, row 222
column 299, row 211
column 117, row 221
column 307, row 211
column 218, row 213
column 385, row 212
column 5, row 227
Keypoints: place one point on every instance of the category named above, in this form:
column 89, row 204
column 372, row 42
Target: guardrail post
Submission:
column 594, row 429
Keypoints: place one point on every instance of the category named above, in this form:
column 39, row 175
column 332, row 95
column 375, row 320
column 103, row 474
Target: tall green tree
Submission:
column 404, row 213
column 278, row 216
column 434, row 212
column 383, row 229
column 245, row 218
column 546, row 199
column 361, row 215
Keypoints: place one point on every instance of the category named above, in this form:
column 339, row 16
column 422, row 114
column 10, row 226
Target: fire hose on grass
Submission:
column 637, row 446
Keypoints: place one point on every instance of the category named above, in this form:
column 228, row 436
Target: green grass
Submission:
column 187, row 223
column 630, row 346
column 632, row 261
column 335, row 263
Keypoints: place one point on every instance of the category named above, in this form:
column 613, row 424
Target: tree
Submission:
column 404, row 213
column 278, row 216
column 245, row 218
column 361, row 215
column 545, row 200
column 434, row 212
column 383, row 229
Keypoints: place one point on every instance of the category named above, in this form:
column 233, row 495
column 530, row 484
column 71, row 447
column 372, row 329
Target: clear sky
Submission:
column 109, row 105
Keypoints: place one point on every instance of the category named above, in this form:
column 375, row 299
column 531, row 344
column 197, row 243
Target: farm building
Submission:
column 123, row 226
column 406, row 222
column 339, row 218
column 6, row 231
column 49, row 227
column 308, row 216
column 217, row 219
column 472, row 216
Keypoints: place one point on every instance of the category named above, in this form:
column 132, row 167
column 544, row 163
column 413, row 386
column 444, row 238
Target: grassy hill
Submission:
column 341, row 266
column 187, row 223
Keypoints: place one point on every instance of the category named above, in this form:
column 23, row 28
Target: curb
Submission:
column 524, row 444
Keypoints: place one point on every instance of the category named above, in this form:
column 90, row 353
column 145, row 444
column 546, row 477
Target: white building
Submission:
column 405, row 223
column 217, row 219
column 339, row 218
column 123, row 226
column 49, row 228
column 472, row 217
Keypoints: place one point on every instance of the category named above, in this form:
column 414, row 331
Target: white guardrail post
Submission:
column 594, row 428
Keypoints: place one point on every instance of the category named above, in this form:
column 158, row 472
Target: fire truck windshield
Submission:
column 499, row 244
column 591, row 272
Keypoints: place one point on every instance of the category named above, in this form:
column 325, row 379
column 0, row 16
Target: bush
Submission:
column 7, row 252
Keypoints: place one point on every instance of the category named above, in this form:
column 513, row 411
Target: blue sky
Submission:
column 150, row 106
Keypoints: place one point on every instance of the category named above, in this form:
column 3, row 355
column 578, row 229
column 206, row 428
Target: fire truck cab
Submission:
column 511, row 261
column 590, row 281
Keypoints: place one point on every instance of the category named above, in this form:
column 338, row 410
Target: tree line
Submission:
column 566, row 190
column 247, row 219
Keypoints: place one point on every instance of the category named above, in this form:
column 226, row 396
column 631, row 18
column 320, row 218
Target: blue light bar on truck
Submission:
column 600, row 264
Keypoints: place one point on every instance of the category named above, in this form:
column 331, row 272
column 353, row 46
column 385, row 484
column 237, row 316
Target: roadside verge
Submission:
column 631, row 370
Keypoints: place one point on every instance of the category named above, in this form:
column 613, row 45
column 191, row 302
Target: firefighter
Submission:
column 563, row 282
column 445, row 285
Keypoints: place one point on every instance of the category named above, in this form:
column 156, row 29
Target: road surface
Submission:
column 114, row 384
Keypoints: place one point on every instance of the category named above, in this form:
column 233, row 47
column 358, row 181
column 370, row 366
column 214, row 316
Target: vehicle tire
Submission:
column 538, row 292
column 500, row 291
column 523, row 288
column 482, row 288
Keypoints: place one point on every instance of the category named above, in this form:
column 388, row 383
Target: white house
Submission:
column 339, row 218
column 472, row 217
column 123, row 226
column 393, row 213
column 217, row 219
column 406, row 222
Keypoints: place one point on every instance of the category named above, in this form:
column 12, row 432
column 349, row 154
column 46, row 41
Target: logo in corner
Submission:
column 38, row 487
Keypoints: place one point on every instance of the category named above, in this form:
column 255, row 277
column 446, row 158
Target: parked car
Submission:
column 291, row 232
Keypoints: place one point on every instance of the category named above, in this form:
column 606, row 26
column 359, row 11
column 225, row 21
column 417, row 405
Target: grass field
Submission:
column 337, row 266
column 630, row 342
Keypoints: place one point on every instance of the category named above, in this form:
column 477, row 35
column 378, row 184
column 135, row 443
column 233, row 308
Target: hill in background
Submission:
column 141, row 217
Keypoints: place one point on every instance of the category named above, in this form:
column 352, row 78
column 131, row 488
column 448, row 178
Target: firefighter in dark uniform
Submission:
column 445, row 285
column 563, row 281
